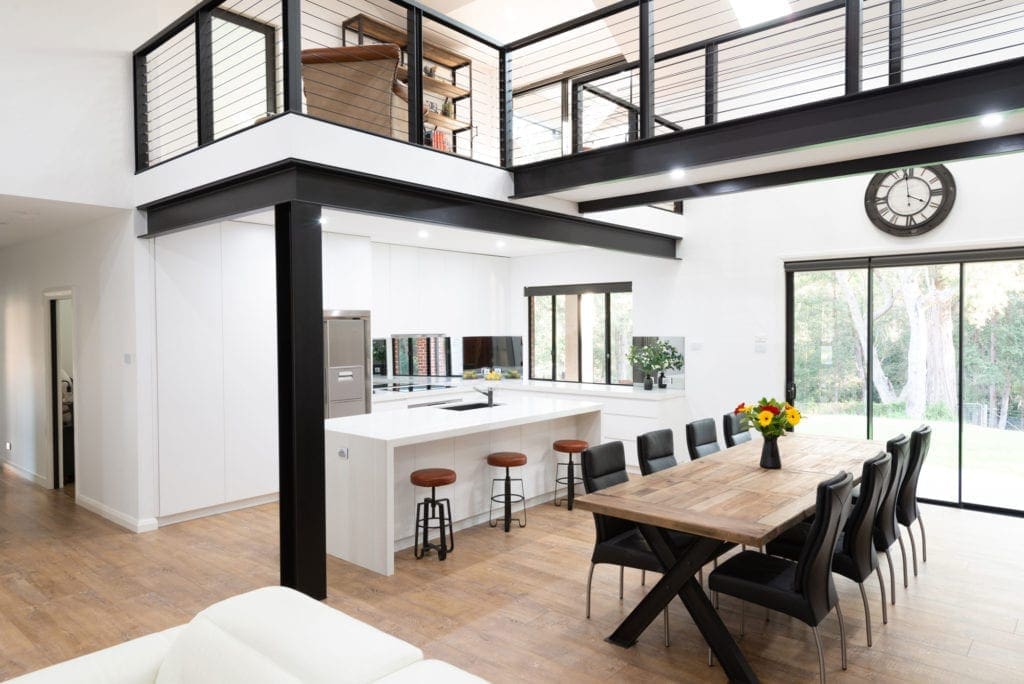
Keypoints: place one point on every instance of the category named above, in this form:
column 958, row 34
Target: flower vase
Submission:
column 648, row 382
column 770, row 453
column 661, row 380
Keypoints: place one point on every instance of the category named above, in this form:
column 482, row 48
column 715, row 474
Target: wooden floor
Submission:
column 507, row 607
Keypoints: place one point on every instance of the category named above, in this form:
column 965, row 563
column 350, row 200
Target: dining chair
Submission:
column 618, row 542
column 655, row 451
column 855, row 557
column 886, row 532
column 907, row 510
column 701, row 439
column 804, row 588
column 732, row 429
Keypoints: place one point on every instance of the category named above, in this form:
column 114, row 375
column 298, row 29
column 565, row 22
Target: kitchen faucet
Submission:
column 489, row 393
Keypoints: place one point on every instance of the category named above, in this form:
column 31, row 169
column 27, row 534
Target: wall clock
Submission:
column 910, row 201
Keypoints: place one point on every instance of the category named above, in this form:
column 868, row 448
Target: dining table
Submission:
column 722, row 499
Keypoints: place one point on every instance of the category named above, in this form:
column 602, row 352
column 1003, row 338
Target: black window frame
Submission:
column 553, row 291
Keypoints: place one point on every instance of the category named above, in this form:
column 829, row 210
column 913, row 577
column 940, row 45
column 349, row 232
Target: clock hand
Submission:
column 914, row 198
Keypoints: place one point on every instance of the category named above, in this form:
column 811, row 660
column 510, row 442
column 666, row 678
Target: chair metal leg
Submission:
column 643, row 578
column 881, row 585
column 821, row 656
column 867, row 612
column 924, row 544
column 913, row 548
column 892, row 576
column 842, row 632
column 590, row 578
column 903, row 552
column 667, row 643
column 622, row 573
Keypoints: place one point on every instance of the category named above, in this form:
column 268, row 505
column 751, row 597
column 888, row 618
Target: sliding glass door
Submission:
column 914, row 329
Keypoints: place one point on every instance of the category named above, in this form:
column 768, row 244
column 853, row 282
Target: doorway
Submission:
column 62, row 385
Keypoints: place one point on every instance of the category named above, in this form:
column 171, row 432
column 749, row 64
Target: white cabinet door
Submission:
column 190, row 368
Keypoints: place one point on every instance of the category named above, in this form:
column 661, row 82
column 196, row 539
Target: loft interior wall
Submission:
column 729, row 286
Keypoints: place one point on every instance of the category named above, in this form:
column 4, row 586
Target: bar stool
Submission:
column 568, row 446
column 506, row 460
column 432, row 508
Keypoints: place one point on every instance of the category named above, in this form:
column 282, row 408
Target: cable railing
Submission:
column 631, row 70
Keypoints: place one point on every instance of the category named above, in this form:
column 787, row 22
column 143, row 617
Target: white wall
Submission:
column 730, row 287
column 97, row 263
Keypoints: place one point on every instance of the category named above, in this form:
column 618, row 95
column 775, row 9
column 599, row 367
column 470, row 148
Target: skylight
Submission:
column 752, row 12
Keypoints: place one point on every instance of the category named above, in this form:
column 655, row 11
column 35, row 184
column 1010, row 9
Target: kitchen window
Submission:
column 581, row 333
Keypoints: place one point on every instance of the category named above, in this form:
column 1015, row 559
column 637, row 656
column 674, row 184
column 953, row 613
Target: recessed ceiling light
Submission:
column 423, row 234
column 752, row 12
column 678, row 173
column 499, row 244
column 992, row 119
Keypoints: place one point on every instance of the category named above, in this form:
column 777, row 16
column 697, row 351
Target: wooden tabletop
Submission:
column 729, row 496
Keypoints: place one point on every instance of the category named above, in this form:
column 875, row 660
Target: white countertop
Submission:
column 460, row 386
column 413, row 426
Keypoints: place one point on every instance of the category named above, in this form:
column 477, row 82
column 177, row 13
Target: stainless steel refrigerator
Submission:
column 347, row 381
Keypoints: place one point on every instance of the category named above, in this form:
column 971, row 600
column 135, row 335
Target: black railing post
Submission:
column 711, row 84
column 300, row 390
column 291, row 11
column 505, row 109
column 414, row 58
column 854, row 45
column 204, row 75
column 577, row 118
column 895, row 42
column 646, row 69
column 139, row 78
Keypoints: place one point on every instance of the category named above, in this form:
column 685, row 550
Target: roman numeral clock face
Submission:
column 911, row 201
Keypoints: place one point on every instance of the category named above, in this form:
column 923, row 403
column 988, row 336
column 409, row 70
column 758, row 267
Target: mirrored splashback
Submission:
column 426, row 355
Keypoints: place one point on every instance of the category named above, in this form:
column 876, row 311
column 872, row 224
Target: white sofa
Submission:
column 268, row 635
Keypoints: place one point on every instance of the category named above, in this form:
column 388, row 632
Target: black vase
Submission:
column 648, row 382
column 661, row 380
column 770, row 453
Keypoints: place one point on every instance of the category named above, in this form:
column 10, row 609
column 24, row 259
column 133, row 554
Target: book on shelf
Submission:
column 441, row 139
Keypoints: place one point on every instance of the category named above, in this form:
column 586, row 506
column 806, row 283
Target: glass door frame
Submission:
column 870, row 263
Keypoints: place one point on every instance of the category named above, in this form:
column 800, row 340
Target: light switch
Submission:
column 127, row 359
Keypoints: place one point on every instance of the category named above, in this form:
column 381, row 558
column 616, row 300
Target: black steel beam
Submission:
column 949, row 97
column 204, row 76
column 646, row 69
column 293, row 180
column 854, row 45
column 291, row 13
column 414, row 59
column 895, row 42
column 929, row 155
column 300, row 359
column 558, row 29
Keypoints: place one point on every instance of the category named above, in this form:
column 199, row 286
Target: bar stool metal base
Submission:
column 569, row 481
column 506, row 498
column 428, row 510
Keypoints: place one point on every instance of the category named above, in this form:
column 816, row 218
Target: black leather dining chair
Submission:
column 907, row 510
column 701, row 439
column 886, row 532
column 802, row 589
column 655, row 451
column 855, row 557
column 732, row 429
column 619, row 542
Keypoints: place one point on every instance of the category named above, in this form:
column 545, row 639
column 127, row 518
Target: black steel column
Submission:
column 414, row 60
column 711, row 84
column 291, row 13
column 300, row 360
column 505, row 108
column 854, row 45
column 895, row 42
column 577, row 118
column 139, row 78
column 646, row 68
column 204, row 75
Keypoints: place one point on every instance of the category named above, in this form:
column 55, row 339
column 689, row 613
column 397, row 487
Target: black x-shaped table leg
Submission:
column 680, row 580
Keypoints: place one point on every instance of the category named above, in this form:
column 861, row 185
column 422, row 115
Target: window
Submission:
column 581, row 333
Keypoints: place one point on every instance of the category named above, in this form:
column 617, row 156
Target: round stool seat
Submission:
column 506, row 459
column 432, row 477
column 570, row 446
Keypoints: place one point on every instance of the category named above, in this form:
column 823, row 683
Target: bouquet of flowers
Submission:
column 768, row 416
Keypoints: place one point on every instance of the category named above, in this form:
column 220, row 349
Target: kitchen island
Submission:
column 371, row 505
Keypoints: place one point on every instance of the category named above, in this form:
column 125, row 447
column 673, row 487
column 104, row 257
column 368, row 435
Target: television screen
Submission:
column 492, row 352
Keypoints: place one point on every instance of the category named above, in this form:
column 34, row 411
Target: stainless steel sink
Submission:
column 468, row 407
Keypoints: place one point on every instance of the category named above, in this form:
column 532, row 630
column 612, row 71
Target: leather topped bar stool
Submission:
column 432, row 508
column 571, row 447
column 506, row 460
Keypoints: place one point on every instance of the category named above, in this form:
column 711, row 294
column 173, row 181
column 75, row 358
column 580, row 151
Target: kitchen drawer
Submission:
column 627, row 428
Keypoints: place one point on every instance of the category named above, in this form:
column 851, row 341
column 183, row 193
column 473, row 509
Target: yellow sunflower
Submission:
column 765, row 418
column 792, row 415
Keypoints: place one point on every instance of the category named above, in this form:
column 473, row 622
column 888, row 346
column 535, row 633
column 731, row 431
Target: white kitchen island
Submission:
column 371, row 505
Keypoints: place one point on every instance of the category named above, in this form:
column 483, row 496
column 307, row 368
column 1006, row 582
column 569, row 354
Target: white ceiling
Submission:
column 393, row 231
column 898, row 141
column 507, row 21
column 24, row 218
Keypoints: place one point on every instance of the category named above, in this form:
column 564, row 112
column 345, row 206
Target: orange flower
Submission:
column 740, row 408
